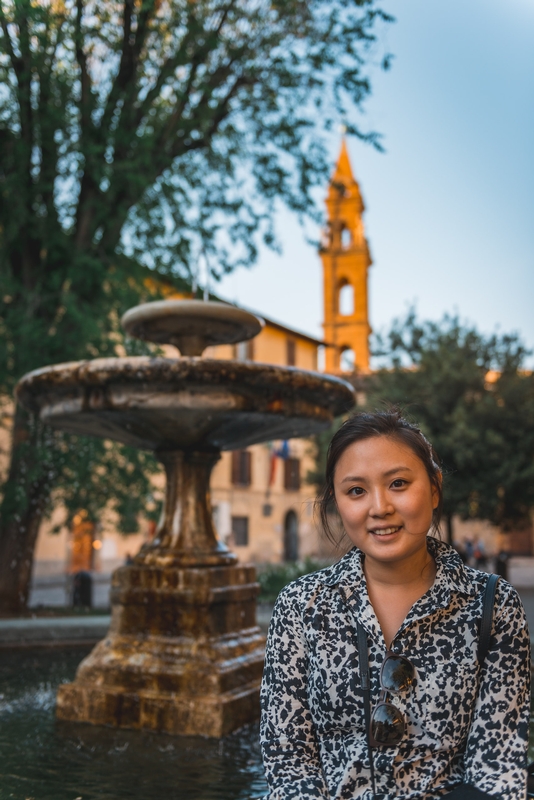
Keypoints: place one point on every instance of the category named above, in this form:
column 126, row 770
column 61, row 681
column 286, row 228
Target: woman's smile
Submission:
column 385, row 531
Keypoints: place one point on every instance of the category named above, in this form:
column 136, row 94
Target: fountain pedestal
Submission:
column 183, row 654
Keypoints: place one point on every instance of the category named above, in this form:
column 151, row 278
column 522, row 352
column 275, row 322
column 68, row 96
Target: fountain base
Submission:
column 183, row 654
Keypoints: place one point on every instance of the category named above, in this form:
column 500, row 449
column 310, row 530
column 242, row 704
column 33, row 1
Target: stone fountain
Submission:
column 183, row 653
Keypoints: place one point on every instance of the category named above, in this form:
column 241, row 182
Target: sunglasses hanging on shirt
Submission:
column 388, row 725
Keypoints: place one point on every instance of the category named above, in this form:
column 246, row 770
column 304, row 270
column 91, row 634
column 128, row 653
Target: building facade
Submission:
column 262, row 504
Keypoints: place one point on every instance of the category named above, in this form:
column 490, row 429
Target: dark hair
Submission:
column 366, row 425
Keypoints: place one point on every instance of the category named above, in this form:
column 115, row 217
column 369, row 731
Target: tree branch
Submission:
column 24, row 144
column 180, row 58
column 86, row 218
column 123, row 72
column 126, row 196
column 49, row 150
column 130, row 53
column 22, row 69
column 85, row 80
column 219, row 113
column 126, row 191
column 15, row 61
column 88, row 184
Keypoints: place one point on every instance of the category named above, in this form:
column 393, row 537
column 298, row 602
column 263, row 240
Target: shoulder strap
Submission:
column 365, row 681
column 487, row 617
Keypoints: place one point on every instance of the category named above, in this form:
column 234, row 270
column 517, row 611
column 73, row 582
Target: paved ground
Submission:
column 50, row 631
column 58, row 631
column 527, row 596
column 56, row 590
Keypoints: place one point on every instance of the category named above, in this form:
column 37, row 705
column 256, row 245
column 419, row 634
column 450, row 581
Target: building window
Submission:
column 244, row 351
column 346, row 300
column 291, row 352
column 240, row 531
column 241, row 468
column 292, row 474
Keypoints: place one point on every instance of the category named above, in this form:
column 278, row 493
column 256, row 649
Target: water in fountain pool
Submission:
column 46, row 760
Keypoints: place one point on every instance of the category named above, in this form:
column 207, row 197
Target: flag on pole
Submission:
column 277, row 452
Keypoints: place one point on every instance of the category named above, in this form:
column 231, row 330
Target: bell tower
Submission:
column 346, row 259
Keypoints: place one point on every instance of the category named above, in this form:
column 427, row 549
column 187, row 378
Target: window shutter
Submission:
column 292, row 474
column 235, row 467
column 241, row 468
column 247, row 467
column 291, row 352
column 240, row 531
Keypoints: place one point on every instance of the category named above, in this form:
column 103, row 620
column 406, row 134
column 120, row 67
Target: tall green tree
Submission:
column 163, row 130
column 475, row 402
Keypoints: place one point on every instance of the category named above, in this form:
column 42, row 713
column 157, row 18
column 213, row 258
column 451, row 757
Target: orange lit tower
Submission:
column 346, row 259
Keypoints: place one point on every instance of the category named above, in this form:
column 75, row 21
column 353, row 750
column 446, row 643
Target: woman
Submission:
column 439, row 723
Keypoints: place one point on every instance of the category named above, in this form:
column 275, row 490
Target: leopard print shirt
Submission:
column 462, row 727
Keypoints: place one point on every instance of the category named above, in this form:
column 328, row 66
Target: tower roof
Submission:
column 343, row 176
column 343, row 170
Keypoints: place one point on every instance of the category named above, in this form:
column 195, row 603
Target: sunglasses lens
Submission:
column 397, row 674
column 387, row 724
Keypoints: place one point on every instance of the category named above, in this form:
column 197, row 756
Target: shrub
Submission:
column 273, row 577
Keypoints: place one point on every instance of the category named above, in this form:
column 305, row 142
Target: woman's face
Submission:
column 385, row 498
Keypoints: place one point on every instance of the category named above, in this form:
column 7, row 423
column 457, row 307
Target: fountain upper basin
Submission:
column 184, row 403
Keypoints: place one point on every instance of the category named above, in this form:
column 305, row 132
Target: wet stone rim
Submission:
column 168, row 375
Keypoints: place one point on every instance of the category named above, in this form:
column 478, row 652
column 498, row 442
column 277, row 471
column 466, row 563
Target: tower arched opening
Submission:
column 346, row 299
column 347, row 360
column 346, row 238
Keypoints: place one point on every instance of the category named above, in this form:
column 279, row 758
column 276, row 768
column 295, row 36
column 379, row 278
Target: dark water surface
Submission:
column 41, row 759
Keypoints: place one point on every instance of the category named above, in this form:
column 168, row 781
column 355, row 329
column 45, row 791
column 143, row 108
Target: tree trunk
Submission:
column 26, row 493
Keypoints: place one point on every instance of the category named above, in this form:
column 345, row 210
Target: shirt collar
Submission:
column 451, row 573
column 451, row 576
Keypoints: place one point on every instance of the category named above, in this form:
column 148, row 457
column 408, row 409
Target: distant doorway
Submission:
column 291, row 537
column 82, row 541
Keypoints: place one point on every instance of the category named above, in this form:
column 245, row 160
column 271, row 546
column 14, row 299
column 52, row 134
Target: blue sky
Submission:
column 450, row 204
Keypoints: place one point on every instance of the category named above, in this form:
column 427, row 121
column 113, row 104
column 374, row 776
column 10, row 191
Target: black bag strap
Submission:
column 487, row 618
column 365, row 682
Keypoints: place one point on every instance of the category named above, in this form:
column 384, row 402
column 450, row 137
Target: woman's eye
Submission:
column 356, row 491
column 398, row 484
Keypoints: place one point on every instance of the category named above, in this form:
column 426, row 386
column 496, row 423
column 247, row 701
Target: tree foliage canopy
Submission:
column 159, row 130
column 163, row 130
column 141, row 134
column 475, row 404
